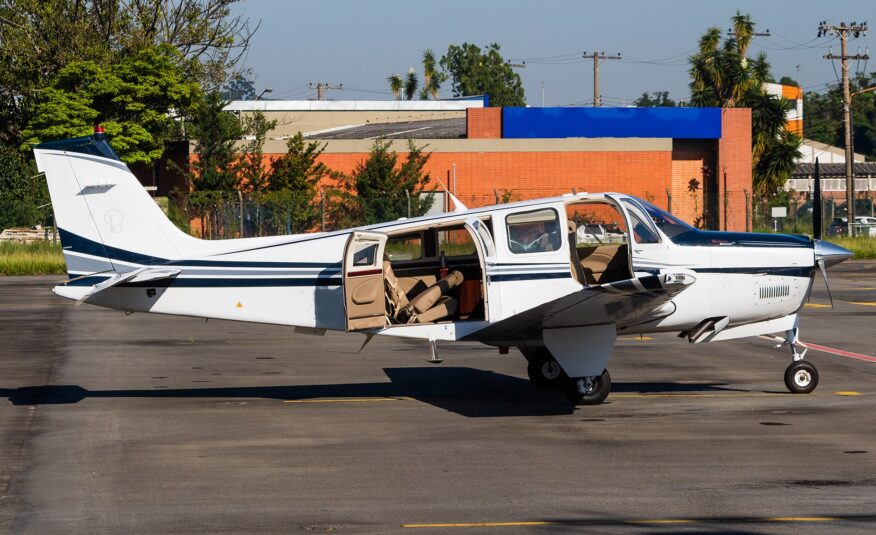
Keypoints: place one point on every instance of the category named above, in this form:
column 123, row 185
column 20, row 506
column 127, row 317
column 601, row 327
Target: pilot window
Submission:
column 408, row 247
column 643, row 232
column 537, row 231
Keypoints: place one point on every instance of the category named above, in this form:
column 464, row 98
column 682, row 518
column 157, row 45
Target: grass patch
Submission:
column 861, row 247
column 36, row 258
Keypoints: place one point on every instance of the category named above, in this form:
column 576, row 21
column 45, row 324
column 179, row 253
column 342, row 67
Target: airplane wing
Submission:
column 625, row 303
column 143, row 274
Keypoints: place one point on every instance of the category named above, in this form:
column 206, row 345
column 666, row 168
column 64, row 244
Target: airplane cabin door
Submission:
column 649, row 251
column 364, row 297
column 487, row 253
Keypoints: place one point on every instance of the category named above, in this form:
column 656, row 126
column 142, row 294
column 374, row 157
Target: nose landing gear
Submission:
column 801, row 376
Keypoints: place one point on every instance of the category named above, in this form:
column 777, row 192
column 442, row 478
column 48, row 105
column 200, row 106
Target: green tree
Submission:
column 291, row 196
column 396, row 84
column 473, row 71
column 216, row 132
column 411, row 84
column 658, row 99
column 134, row 100
column 432, row 77
column 723, row 76
column 823, row 120
column 38, row 38
column 380, row 187
column 250, row 165
column 22, row 191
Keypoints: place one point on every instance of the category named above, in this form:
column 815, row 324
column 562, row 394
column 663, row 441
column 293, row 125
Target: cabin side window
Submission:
column 537, row 231
column 408, row 247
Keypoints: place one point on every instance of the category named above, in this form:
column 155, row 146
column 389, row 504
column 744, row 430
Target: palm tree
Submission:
column 432, row 78
column 723, row 76
column 395, row 85
column 411, row 84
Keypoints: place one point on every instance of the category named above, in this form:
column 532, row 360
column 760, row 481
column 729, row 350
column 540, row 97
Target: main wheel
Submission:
column 579, row 392
column 544, row 371
column 801, row 377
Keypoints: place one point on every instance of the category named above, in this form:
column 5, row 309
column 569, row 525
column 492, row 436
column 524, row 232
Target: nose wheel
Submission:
column 801, row 377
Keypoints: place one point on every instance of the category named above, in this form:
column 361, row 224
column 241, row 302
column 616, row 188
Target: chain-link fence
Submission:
column 794, row 215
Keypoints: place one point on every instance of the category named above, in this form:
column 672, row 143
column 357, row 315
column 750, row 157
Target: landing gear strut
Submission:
column 801, row 377
column 587, row 390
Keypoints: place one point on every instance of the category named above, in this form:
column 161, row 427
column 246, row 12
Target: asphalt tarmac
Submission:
column 149, row 424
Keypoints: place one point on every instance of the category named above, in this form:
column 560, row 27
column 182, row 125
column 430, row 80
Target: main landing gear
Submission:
column 546, row 373
column 801, row 377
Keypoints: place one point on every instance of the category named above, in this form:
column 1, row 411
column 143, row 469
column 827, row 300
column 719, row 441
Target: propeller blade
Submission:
column 817, row 217
column 823, row 267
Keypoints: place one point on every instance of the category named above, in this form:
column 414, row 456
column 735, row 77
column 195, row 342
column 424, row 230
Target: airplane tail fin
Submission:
column 106, row 220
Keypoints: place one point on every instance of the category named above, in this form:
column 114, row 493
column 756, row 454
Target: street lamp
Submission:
column 267, row 90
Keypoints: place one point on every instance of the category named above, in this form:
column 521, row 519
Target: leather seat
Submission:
column 428, row 306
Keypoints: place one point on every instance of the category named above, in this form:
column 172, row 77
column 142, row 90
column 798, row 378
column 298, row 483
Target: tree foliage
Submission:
column 133, row 99
column 823, row 120
column 473, row 71
column 657, row 99
column 216, row 132
column 722, row 75
column 380, row 188
column 39, row 38
column 22, row 191
column 250, row 165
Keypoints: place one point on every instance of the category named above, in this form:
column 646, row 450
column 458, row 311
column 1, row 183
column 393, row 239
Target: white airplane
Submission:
column 558, row 278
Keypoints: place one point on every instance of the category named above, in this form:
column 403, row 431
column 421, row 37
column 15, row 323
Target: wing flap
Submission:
column 625, row 303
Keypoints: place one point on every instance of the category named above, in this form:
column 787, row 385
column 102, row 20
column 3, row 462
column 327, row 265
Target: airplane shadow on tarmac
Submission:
column 465, row 391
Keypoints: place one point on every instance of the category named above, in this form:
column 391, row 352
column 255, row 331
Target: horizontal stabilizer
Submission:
column 144, row 274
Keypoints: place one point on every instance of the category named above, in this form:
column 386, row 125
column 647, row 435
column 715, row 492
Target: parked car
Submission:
column 864, row 225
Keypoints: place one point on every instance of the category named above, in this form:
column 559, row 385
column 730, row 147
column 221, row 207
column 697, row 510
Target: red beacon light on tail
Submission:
column 99, row 132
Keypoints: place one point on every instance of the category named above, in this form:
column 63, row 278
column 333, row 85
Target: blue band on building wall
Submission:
column 676, row 123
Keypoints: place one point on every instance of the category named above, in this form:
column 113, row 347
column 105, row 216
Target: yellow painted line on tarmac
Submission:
column 816, row 305
column 694, row 395
column 347, row 400
column 482, row 524
column 803, row 519
column 863, row 303
column 649, row 521
column 847, row 393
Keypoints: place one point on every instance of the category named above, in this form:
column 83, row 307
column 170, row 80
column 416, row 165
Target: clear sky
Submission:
column 359, row 43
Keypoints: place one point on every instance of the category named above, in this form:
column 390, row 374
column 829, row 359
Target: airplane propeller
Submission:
column 826, row 254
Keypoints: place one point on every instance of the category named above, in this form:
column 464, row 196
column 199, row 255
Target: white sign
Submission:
column 780, row 211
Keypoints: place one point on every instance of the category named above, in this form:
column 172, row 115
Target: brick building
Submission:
column 485, row 154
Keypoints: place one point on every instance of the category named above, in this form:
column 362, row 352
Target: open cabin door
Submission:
column 364, row 298
column 647, row 250
column 487, row 254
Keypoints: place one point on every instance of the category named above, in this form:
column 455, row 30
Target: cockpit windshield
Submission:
column 666, row 222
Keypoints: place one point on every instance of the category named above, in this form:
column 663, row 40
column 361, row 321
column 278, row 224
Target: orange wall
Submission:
column 483, row 123
column 529, row 175
column 734, row 162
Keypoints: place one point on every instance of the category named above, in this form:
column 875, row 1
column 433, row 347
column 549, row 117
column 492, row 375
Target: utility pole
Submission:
column 322, row 87
column 596, row 56
column 843, row 30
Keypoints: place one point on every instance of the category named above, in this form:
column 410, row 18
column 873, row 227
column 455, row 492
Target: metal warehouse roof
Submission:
column 426, row 129
column 860, row 169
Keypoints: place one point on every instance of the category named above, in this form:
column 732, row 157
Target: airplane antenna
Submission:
column 457, row 204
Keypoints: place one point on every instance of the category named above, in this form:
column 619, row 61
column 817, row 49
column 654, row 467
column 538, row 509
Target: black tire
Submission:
column 601, row 389
column 544, row 371
column 801, row 377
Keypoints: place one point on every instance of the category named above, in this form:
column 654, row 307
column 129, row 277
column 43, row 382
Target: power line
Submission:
column 596, row 56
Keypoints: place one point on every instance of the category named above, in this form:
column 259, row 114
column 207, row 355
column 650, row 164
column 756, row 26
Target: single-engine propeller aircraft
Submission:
column 558, row 278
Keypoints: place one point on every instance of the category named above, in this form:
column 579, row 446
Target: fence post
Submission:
column 322, row 209
column 240, row 197
column 747, row 216
column 408, row 197
column 668, row 201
